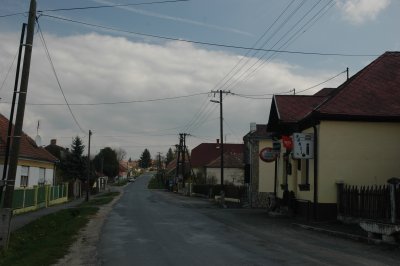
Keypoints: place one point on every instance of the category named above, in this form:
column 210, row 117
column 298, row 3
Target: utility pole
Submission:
column 10, row 121
column 183, row 135
column 89, row 170
column 221, row 119
column 16, row 140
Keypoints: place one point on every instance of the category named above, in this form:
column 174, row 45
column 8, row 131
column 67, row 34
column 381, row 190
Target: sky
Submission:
column 139, row 73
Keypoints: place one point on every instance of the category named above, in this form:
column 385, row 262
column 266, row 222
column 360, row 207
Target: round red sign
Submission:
column 267, row 155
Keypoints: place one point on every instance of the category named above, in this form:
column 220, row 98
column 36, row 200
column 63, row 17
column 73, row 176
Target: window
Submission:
column 42, row 176
column 24, row 176
column 305, row 173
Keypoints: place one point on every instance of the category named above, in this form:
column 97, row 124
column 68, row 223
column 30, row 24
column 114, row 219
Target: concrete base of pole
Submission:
column 5, row 221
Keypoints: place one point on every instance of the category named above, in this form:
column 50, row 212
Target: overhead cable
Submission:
column 207, row 43
column 56, row 76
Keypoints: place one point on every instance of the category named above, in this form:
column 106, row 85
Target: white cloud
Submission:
column 98, row 68
column 360, row 11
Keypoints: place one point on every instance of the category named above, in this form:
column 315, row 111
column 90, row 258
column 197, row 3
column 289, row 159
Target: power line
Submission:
column 259, row 63
column 8, row 72
column 95, row 7
column 201, row 116
column 309, row 88
column 119, row 102
column 312, row 87
column 108, row 6
column 13, row 14
column 56, row 76
column 207, row 43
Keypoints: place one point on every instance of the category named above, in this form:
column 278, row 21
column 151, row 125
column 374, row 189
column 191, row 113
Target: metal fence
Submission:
column 368, row 202
column 38, row 196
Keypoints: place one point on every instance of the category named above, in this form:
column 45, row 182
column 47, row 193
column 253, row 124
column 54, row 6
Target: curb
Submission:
column 340, row 234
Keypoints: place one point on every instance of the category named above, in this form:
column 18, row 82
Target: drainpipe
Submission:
column 251, row 173
column 315, row 173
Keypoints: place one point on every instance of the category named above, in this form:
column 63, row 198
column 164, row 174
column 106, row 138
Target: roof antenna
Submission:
column 38, row 139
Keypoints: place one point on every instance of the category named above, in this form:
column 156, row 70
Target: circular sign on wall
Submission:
column 267, row 155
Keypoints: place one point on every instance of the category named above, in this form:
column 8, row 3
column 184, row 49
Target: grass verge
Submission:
column 48, row 239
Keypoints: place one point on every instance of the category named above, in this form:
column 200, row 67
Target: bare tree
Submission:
column 121, row 153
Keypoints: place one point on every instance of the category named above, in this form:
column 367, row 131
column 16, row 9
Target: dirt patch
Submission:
column 84, row 250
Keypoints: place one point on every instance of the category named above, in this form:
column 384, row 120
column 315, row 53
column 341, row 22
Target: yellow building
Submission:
column 353, row 133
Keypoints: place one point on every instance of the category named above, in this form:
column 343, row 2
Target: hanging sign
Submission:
column 267, row 155
column 287, row 142
column 303, row 147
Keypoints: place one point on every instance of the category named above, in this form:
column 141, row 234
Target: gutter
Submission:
column 315, row 172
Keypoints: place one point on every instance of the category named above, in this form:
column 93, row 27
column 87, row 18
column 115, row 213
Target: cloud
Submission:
column 360, row 11
column 96, row 68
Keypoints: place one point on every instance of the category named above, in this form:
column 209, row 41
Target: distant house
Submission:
column 206, row 156
column 60, row 153
column 233, row 169
column 259, row 174
column 123, row 170
column 355, row 131
column 36, row 166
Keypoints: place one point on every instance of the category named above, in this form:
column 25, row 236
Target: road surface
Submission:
column 161, row 228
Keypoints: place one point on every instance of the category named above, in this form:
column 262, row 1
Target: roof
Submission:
column 370, row 95
column 28, row 147
column 372, row 92
column 205, row 153
column 231, row 160
column 293, row 108
column 56, row 151
column 259, row 133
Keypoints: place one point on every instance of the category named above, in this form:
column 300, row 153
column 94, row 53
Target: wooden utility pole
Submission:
column 89, row 172
column 10, row 121
column 8, row 197
column 6, row 212
column 221, row 128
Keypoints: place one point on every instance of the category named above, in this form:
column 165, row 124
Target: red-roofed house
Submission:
column 206, row 156
column 35, row 164
column 355, row 130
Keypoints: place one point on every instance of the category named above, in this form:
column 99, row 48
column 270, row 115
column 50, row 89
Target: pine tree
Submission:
column 145, row 159
column 75, row 166
column 169, row 157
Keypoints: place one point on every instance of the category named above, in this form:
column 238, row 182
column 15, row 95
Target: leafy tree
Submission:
column 106, row 162
column 169, row 157
column 75, row 165
column 145, row 159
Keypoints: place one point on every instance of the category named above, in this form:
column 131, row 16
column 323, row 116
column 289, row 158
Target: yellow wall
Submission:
column 357, row 153
column 266, row 170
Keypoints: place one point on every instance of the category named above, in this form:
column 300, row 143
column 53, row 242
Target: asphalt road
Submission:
column 161, row 228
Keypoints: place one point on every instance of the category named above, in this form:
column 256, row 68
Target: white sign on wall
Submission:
column 303, row 145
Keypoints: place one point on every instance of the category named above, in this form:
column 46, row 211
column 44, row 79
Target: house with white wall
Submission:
column 36, row 166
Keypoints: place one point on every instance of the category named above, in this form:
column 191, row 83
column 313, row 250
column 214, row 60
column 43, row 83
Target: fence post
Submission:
column 339, row 191
column 393, row 182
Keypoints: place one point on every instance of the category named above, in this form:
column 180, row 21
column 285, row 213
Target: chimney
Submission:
column 253, row 127
column 53, row 142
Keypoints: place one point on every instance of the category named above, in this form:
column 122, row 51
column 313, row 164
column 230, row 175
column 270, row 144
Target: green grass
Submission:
column 48, row 239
